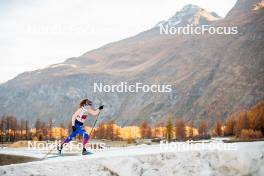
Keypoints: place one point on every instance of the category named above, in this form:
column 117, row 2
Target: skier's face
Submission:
column 88, row 103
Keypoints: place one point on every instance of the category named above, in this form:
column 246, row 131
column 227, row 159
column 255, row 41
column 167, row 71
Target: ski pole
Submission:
column 94, row 124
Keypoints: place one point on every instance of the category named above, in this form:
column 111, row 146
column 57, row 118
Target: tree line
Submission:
column 244, row 125
column 108, row 130
column 12, row 129
column 181, row 130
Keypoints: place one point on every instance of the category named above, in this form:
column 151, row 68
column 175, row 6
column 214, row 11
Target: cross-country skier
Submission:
column 78, row 118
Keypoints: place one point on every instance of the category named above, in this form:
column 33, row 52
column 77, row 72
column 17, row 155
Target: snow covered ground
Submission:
column 146, row 160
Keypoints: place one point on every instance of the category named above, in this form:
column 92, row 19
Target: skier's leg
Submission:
column 85, row 136
column 85, row 139
column 70, row 137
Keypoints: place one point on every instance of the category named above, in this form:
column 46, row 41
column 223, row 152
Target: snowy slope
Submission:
column 145, row 160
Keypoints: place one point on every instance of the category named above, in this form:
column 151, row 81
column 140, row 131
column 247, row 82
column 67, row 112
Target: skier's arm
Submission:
column 75, row 115
column 93, row 112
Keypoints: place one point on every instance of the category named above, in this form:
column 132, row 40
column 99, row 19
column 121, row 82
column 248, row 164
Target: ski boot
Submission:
column 59, row 148
column 85, row 152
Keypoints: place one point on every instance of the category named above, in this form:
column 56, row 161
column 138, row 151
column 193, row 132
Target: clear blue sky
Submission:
column 37, row 33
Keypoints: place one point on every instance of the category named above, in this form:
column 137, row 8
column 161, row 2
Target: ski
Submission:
column 66, row 155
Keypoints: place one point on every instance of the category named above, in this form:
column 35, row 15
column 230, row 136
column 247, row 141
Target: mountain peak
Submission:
column 191, row 14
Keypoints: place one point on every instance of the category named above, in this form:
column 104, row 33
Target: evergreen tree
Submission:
column 169, row 130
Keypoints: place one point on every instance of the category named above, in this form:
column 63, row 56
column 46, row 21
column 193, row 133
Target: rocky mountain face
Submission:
column 212, row 75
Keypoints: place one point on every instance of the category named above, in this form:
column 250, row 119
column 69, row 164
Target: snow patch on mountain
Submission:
column 190, row 14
